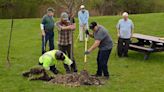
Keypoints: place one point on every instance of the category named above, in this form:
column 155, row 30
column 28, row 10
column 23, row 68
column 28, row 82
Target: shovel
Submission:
column 85, row 56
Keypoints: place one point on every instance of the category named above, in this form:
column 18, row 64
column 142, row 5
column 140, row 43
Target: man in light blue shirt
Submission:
column 125, row 28
column 83, row 16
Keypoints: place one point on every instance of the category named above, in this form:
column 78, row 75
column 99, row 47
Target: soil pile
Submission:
column 38, row 73
column 74, row 79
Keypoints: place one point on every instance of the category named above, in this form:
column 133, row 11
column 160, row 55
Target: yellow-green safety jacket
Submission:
column 48, row 59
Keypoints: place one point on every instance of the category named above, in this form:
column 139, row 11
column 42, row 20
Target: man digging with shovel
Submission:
column 105, row 44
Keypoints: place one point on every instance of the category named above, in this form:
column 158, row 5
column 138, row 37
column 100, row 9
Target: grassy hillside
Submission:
column 131, row 74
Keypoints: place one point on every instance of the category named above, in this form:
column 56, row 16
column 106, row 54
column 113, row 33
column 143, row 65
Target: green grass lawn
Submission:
column 131, row 74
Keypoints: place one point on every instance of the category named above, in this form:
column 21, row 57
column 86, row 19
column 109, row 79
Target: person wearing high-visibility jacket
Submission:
column 49, row 59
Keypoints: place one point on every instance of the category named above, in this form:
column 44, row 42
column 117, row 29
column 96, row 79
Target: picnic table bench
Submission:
column 146, row 44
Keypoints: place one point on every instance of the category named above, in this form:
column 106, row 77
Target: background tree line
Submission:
column 36, row 8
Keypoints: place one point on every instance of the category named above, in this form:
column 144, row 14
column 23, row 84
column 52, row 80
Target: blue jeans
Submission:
column 102, row 62
column 48, row 37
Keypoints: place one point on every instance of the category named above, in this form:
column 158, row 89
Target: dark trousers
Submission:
column 53, row 69
column 48, row 37
column 122, row 47
column 102, row 62
column 67, row 51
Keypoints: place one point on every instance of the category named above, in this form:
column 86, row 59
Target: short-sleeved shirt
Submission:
column 105, row 40
column 48, row 22
column 125, row 28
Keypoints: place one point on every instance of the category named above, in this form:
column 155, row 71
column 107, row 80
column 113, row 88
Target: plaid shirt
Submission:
column 64, row 36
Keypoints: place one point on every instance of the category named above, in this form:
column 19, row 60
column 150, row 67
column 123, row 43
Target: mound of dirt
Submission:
column 38, row 73
column 76, row 79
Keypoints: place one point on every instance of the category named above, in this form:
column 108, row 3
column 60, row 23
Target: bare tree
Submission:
column 71, row 6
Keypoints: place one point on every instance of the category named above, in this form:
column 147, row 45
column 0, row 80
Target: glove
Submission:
column 40, row 63
column 86, row 52
column 87, row 32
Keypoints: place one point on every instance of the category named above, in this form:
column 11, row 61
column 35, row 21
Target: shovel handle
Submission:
column 85, row 57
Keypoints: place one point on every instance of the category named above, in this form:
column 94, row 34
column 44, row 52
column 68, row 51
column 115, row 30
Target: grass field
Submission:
column 131, row 74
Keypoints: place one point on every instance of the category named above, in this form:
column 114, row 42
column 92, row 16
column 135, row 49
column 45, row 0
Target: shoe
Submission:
column 43, row 52
column 56, row 71
column 106, row 77
column 75, row 71
column 125, row 55
column 68, row 72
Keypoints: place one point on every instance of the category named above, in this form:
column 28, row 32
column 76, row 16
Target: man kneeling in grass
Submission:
column 49, row 59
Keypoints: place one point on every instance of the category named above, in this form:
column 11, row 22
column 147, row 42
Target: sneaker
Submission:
column 106, row 77
column 68, row 72
column 56, row 71
column 73, row 70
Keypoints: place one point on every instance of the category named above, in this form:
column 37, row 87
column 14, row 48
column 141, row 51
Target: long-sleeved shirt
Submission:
column 48, row 59
column 83, row 17
column 125, row 28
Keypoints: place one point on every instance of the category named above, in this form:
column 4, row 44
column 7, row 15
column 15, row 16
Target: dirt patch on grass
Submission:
column 38, row 73
column 77, row 79
column 74, row 79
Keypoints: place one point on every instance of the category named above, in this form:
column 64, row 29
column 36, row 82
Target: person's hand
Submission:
column 87, row 32
column 43, row 33
column 86, row 52
column 118, row 35
column 72, row 27
column 81, row 25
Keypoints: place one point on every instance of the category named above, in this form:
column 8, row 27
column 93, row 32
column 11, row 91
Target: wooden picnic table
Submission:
column 146, row 44
column 147, row 37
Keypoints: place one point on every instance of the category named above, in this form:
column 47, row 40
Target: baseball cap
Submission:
column 92, row 25
column 64, row 15
column 59, row 55
column 82, row 6
column 50, row 9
